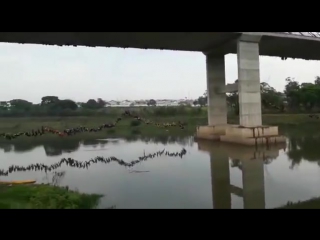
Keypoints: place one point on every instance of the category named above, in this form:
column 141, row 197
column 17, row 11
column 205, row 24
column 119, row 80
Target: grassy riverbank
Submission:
column 45, row 197
column 127, row 128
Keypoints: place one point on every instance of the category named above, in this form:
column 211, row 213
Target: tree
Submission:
column 4, row 106
column 317, row 80
column 152, row 102
column 202, row 100
column 101, row 102
column 292, row 92
column 309, row 95
column 233, row 102
column 49, row 100
column 20, row 104
column 195, row 102
column 271, row 99
column 66, row 104
column 92, row 104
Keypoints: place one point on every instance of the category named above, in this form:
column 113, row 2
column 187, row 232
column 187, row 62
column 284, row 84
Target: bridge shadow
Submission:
column 250, row 160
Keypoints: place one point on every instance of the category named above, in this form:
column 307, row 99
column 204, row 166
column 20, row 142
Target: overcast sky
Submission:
column 80, row 73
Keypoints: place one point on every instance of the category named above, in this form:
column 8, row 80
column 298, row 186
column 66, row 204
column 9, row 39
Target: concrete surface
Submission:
column 229, row 88
column 263, row 135
column 272, row 43
column 211, row 132
column 217, row 102
column 249, row 81
column 253, row 136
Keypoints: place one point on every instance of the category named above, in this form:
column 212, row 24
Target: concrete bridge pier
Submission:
column 250, row 131
column 217, row 101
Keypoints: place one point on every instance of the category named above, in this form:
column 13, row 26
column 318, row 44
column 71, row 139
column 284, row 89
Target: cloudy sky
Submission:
column 80, row 73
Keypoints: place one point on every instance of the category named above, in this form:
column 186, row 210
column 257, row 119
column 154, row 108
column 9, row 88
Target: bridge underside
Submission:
column 220, row 42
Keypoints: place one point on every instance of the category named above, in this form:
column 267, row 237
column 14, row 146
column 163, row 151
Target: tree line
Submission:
column 296, row 97
column 53, row 106
column 49, row 106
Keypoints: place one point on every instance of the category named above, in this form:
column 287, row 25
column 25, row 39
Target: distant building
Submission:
column 144, row 103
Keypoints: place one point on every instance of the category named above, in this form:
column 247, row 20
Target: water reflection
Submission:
column 58, row 148
column 304, row 148
column 250, row 161
column 54, row 178
column 210, row 175
column 86, row 164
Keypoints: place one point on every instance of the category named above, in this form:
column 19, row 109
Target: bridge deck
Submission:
column 272, row 44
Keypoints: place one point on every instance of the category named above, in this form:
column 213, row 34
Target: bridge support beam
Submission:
column 217, row 101
column 249, row 81
column 250, row 131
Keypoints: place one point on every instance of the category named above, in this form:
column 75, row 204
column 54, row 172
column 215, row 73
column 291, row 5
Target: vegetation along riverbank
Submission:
column 45, row 197
column 128, row 127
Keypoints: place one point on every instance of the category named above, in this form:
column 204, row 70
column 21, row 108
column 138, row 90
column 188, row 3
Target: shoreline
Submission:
column 127, row 127
column 45, row 196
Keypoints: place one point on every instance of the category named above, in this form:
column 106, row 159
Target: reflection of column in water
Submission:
column 220, row 177
column 251, row 160
column 253, row 184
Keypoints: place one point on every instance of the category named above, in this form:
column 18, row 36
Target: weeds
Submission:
column 45, row 197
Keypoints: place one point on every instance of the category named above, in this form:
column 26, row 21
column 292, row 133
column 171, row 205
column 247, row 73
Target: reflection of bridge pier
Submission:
column 220, row 181
column 250, row 162
column 253, row 184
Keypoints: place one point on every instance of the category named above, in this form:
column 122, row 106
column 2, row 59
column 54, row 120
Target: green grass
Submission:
column 45, row 197
column 126, row 128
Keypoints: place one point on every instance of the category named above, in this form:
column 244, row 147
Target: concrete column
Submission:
column 217, row 102
column 249, row 81
column 220, row 181
column 253, row 184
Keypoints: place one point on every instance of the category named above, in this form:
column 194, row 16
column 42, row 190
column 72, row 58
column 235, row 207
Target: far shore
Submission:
column 127, row 128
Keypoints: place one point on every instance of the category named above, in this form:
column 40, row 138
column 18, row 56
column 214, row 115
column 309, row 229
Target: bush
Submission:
column 45, row 197
column 59, row 198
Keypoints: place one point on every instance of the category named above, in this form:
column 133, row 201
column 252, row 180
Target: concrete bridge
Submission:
column 280, row 44
column 247, row 45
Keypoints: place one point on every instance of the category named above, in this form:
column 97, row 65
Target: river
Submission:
column 205, row 175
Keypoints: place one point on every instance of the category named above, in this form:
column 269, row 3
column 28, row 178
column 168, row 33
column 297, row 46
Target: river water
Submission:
column 206, row 175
